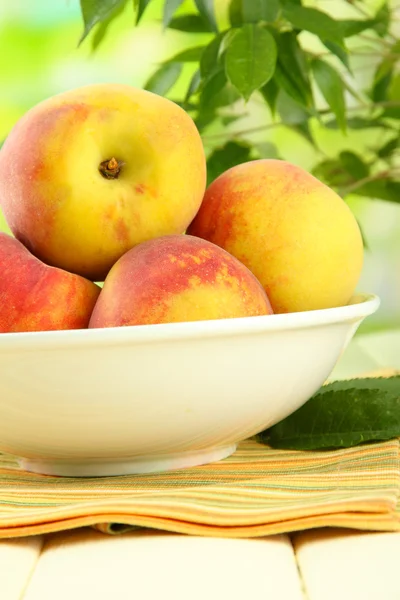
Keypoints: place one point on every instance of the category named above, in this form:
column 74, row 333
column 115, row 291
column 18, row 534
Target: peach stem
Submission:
column 111, row 168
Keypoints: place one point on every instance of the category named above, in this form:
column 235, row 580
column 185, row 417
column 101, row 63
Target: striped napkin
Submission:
column 257, row 491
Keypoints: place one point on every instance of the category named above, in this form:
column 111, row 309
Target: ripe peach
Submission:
column 177, row 278
column 295, row 234
column 89, row 173
column 36, row 297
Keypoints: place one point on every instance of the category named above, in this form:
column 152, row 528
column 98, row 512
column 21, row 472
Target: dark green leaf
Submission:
column 331, row 86
column 382, row 20
column 96, row 11
column 384, row 384
column 229, row 119
column 382, row 190
column 102, row 29
column 383, row 69
column 260, row 10
column 206, row 10
column 217, row 92
column 212, row 88
column 190, row 23
column 250, row 59
column 394, row 92
column 141, row 7
column 170, row 7
column 291, row 112
column 387, row 149
column 210, row 61
column 285, row 82
column 363, row 236
column 270, row 93
column 392, row 112
column 162, row 80
column 332, row 173
column 304, row 130
column 340, row 52
column 294, row 116
column 340, row 418
column 204, row 119
column 292, row 69
column 193, row 85
column 354, row 165
column 189, row 55
column 267, row 150
column 235, row 13
column 352, row 27
column 314, row 21
column 359, row 123
column 222, row 159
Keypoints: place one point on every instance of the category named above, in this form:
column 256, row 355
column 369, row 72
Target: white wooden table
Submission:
column 324, row 564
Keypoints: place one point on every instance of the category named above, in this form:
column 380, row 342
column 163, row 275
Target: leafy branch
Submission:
column 261, row 57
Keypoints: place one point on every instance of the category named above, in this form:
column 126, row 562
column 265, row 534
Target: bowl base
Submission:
column 141, row 464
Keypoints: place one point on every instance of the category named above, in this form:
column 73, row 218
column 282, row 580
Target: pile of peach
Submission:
column 106, row 183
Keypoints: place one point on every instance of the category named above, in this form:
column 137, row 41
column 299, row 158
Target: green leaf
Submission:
column 304, row 130
column 352, row 27
column 340, row 418
column 270, row 93
column 222, row 159
column 382, row 189
column 190, row 24
column 314, row 21
column 141, row 7
column 332, row 173
column 387, row 149
column 359, row 123
column 164, row 78
column 383, row 384
column 340, row 52
column 392, row 112
column 260, row 10
column 189, row 55
column 267, row 150
column 204, row 119
column 206, row 10
column 250, row 59
column 294, row 116
column 236, row 13
column 291, row 112
column 210, row 61
column 170, row 7
column 354, row 165
column 331, row 86
column 292, row 69
column 96, row 11
column 212, row 87
column 102, row 29
column 193, row 85
column 217, row 92
column 382, row 20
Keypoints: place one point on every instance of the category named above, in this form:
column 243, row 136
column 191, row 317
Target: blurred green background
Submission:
column 40, row 57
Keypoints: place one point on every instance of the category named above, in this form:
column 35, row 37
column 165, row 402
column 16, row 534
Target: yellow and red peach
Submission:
column 89, row 173
column 297, row 236
column 174, row 279
column 36, row 297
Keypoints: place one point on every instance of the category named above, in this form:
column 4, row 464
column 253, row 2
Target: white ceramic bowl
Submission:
column 156, row 397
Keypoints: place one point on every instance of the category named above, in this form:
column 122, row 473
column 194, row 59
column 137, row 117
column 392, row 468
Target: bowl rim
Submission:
column 360, row 306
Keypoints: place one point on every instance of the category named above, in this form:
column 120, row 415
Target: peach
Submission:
column 177, row 278
column 88, row 174
column 36, row 297
column 295, row 234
